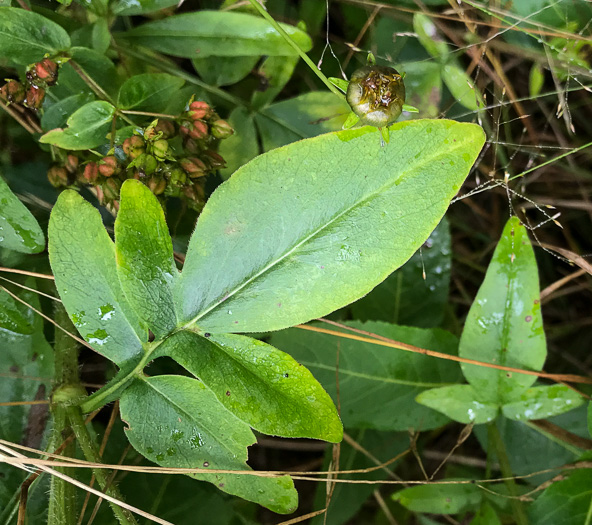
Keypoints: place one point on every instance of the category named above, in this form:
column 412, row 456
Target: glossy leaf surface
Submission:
column 377, row 385
column 459, row 402
column 145, row 262
column 405, row 297
column 19, row 230
column 57, row 114
column 12, row 318
column 216, row 33
column 87, row 127
column 505, row 325
column 440, row 499
column 176, row 421
column 242, row 146
column 26, row 37
column 259, row 384
column 149, row 92
column 541, row 402
column 224, row 71
column 139, row 7
column 82, row 258
column 274, row 74
column 319, row 199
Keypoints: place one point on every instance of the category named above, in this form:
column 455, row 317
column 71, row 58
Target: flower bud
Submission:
column 221, row 129
column 376, row 94
column 150, row 133
column 160, row 148
column 194, row 167
column 177, row 177
column 57, row 176
column 199, row 110
column 108, row 166
column 34, row 97
column 110, row 190
column 47, row 71
column 193, row 192
column 13, row 92
column 145, row 164
column 156, row 184
column 199, row 131
column 134, row 146
column 90, row 173
column 213, row 159
column 166, row 127
column 71, row 163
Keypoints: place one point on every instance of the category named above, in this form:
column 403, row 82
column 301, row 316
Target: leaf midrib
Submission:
column 372, row 195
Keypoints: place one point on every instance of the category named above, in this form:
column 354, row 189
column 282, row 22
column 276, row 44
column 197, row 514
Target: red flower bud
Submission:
column 134, row 146
column 58, row 176
column 35, row 96
column 194, row 167
column 13, row 92
column 90, row 173
column 221, row 129
column 166, row 127
column 71, row 163
column 47, row 71
column 156, row 184
column 199, row 131
column 213, row 159
column 110, row 190
column 108, row 166
column 199, row 110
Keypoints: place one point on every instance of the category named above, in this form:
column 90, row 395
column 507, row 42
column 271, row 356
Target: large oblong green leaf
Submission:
column 505, row 324
column 19, row 230
column 145, row 263
column 217, row 33
column 26, row 37
column 176, row 421
column 310, row 227
column 82, row 258
column 259, row 384
column 87, row 127
column 139, row 7
column 149, row 92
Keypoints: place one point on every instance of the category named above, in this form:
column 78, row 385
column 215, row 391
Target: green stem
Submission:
column 295, row 46
column 91, row 454
column 495, row 440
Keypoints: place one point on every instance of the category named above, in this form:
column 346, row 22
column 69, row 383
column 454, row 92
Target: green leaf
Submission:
column 542, row 402
column 149, row 92
column 274, row 74
column 101, row 37
column 318, row 199
column 57, row 114
column 87, row 127
column 19, row 230
column 139, row 7
column 405, row 297
column 82, row 258
column 590, row 418
column 351, row 120
column 440, row 499
column 429, row 37
column 486, row 515
column 11, row 317
column 423, row 83
column 462, row 87
column 339, row 83
column 145, row 262
column 242, row 146
column 536, row 80
column 224, row 71
column 459, row 402
column 565, row 502
column 377, row 385
column 259, row 384
column 176, row 422
column 216, row 33
column 25, row 37
column 95, row 66
column 304, row 116
column 505, row 325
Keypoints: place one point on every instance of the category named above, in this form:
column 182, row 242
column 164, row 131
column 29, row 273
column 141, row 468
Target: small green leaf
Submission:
column 505, row 325
column 536, row 80
column 19, row 230
column 224, row 71
column 275, row 74
column 25, row 37
column 139, row 7
column 462, row 87
column 384, row 133
column 101, row 37
column 87, row 127
column 440, row 499
column 11, row 317
column 145, row 262
column 176, row 422
column 216, row 33
column 459, row 402
column 319, row 198
column 259, row 384
column 542, row 402
column 82, row 258
column 351, row 121
column 429, row 37
column 339, row 83
column 149, row 92
column 58, row 114
column 410, row 109
column 242, row 146
column 377, row 385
